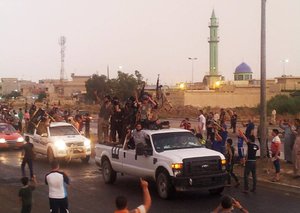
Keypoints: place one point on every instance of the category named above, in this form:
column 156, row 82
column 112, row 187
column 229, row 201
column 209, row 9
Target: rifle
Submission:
column 139, row 98
column 157, row 88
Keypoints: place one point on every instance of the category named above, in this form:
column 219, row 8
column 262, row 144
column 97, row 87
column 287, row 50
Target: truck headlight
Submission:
column 87, row 144
column 2, row 140
column 60, row 145
column 20, row 139
column 177, row 168
column 223, row 164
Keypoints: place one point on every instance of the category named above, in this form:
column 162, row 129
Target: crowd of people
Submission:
column 20, row 120
column 213, row 127
column 116, row 120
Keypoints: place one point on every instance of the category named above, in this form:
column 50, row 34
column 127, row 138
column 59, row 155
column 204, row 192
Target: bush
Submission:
column 284, row 104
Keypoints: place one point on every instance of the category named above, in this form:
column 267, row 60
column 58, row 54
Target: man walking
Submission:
column 57, row 181
column 250, row 165
column 28, row 156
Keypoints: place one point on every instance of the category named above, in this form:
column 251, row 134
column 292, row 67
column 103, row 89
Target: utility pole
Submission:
column 263, row 103
column 62, row 42
column 192, row 59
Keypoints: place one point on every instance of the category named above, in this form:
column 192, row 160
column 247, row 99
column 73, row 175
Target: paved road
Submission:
column 89, row 194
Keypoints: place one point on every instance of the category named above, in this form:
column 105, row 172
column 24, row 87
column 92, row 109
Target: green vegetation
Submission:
column 13, row 94
column 122, row 87
column 42, row 96
column 284, row 104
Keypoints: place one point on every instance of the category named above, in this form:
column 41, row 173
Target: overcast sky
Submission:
column 152, row 36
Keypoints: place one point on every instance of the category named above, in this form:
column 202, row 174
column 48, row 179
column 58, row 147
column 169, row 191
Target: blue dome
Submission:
column 243, row 68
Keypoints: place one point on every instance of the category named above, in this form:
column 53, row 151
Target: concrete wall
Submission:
column 239, row 98
column 236, row 97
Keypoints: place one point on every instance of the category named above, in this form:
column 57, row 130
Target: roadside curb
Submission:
column 275, row 185
column 279, row 185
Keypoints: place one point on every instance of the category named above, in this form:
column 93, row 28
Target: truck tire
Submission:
column 86, row 159
column 216, row 191
column 50, row 155
column 109, row 175
column 164, row 186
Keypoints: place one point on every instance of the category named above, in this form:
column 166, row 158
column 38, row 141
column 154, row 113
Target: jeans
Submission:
column 29, row 162
column 250, row 167
column 277, row 165
column 26, row 209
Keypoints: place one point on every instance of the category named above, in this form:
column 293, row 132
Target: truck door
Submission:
column 40, row 139
column 140, row 165
column 117, row 158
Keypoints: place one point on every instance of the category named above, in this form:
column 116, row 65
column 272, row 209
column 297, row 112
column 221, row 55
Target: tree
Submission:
column 284, row 104
column 13, row 94
column 124, row 86
column 41, row 96
column 96, row 85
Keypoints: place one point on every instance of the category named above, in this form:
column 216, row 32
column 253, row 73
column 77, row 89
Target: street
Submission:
column 88, row 193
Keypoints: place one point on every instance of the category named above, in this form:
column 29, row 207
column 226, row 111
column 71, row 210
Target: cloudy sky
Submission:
column 152, row 36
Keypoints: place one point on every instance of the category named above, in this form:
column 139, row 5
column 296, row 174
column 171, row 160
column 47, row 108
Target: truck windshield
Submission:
column 175, row 140
column 63, row 130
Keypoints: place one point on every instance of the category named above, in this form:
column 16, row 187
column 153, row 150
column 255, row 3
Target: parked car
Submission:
column 10, row 137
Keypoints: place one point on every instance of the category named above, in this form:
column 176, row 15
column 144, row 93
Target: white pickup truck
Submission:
column 173, row 158
column 60, row 140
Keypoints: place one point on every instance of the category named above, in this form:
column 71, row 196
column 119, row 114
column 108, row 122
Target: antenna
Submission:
column 62, row 42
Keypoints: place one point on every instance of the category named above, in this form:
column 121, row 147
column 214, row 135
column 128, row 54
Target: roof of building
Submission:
column 243, row 68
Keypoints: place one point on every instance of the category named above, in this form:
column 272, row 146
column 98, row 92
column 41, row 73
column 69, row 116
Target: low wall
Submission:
column 223, row 99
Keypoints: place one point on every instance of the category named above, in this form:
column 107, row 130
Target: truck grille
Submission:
column 201, row 166
column 74, row 143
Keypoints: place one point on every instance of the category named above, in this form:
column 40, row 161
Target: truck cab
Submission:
column 60, row 140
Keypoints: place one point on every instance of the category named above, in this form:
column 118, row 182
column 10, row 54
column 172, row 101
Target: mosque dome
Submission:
column 243, row 68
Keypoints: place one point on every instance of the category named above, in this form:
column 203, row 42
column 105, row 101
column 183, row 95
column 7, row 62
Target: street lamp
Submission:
column 284, row 62
column 192, row 59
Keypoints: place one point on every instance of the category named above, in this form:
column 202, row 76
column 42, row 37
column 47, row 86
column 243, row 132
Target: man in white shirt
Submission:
column 57, row 181
column 201, row 123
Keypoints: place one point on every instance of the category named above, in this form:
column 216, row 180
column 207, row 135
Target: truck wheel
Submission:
column 109, row 175
column 216, row 191
column 50, row 155
column 86, row 159
column 164, row 187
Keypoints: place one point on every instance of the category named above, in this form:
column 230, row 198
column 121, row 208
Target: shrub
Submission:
column 284, row 104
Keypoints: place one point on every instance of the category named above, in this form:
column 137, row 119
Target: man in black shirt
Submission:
column 250, row 163
column 25, row 194
column 28, row 156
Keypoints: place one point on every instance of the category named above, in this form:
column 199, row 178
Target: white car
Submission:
column 173, row 158
column 61, row 140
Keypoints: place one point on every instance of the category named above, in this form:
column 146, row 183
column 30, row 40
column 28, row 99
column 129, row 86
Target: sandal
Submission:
column 275, row 180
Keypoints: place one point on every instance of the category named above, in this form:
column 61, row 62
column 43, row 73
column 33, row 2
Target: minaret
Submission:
column 213, row 45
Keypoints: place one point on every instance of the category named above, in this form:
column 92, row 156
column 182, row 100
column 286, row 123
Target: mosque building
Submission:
column 243, row 72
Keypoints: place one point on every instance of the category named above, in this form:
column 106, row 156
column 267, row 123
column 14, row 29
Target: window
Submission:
column 240, row 77
column 175, row 140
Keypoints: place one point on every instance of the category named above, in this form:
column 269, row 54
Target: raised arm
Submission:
column 146, row 194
